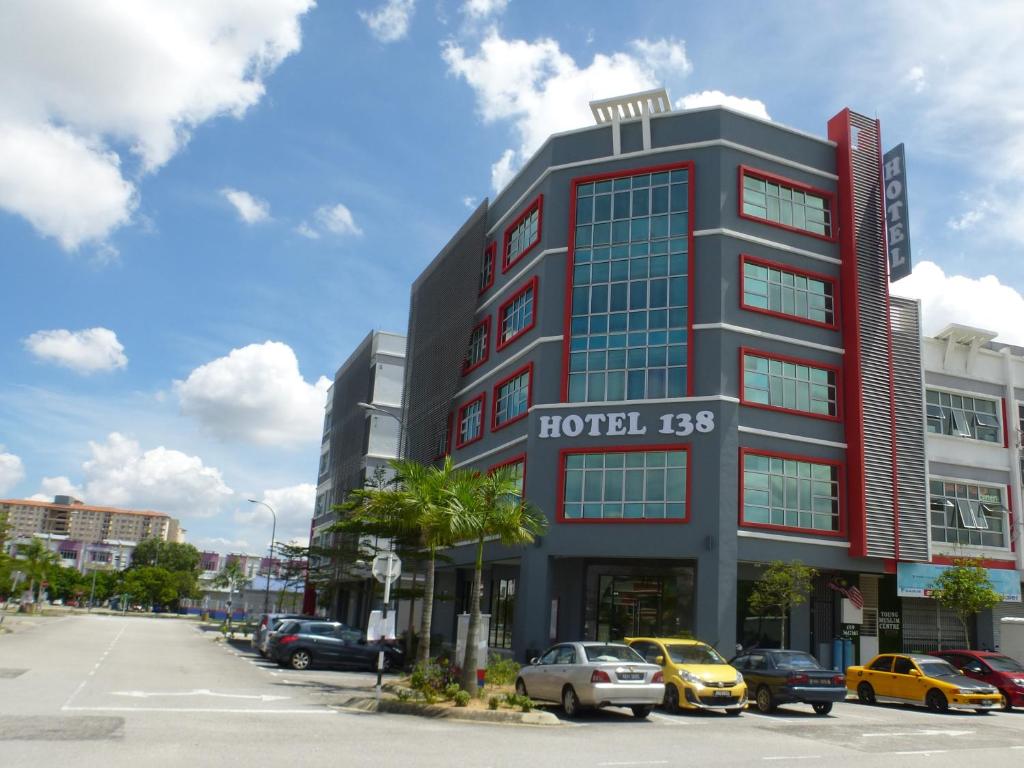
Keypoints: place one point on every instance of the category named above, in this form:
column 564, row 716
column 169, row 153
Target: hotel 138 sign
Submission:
column 897, row 219
column 625, row 423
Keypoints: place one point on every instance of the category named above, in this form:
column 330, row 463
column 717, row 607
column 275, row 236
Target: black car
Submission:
column 301, row 644
column 782, row 677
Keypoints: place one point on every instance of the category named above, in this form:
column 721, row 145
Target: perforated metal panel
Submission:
column 441, row 311
column 911, row 465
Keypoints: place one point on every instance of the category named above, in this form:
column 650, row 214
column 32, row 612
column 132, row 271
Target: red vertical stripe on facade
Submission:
column 1006, row 428
column 839, row 132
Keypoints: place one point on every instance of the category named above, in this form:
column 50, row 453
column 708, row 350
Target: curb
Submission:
column 500, row 717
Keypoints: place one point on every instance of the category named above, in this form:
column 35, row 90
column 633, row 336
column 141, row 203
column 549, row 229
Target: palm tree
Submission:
column 37, row 561
column 413, row 508
column 233, row 577
column 483, row 507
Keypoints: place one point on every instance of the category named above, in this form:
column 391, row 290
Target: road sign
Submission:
column 386, row 567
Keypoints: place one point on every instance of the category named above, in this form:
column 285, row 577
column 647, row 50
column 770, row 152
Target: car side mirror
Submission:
column 915, row 673
column 659, row 660
column 534, row 661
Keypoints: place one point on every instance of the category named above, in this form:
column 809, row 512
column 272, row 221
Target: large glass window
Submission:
column 790, row 493
column 517, row 315
column 806, row 297
column 788, row 384
column 470, row 422
column 964, row 513
column 503, row 611
column 522, row 235
column 634, row 485
column 518, row 467
column 512, row 398
column 629, row 288
column 479, row 346
column 950, row 413
column 786, row 203
column 487, row 267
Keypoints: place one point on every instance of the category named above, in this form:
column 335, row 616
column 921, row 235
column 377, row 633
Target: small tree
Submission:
column 232, row 577
column 38, row 562
column 966, row 590
column 781, row 587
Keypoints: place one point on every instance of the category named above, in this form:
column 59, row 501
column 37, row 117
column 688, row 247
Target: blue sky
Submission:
column 202, row 212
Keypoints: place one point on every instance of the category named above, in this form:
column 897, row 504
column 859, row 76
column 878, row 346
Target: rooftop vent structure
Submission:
column 633, row 106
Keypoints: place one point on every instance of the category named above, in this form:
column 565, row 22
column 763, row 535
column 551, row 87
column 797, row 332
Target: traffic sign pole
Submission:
column 392, row 568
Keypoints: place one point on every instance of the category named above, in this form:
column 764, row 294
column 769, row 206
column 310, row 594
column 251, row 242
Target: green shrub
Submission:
column 461, row 698
column 493, row 702
column 452, row 690
column 404, row 694
column 501, row 671
column 525, row 703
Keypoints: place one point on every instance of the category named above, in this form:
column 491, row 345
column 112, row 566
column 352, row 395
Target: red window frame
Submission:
column 531, row 284
column 560, row 499
column 834, row 370
column 482, row 399
column 746, row 258
column 506, row 263
column 840, row 471
column 448, row 439
column 521, row 457
column 690, row 167
column 528, row 369
column 830, row 197
column 492, row 251
column 486, row 323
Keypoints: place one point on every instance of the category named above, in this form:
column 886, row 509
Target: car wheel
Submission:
column 671, row 699
column 983, row 711
column 822, row 707
column 866, row 693
column 764, row 700
column 641, row 713
column 1007, row 706
column 521, row 687
column 734, row 712
column 300, row 660
column 570, row 702
column 936, row 700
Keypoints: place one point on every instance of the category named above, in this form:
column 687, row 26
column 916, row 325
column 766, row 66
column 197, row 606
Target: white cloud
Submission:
column 969, row 219
column 250, row 209
column 717, row 98
column 916, row 78
column 982, row 302
column 87, row 84
column 221, row 544
column 503, row 170
column 293, row 506
column 119, row 473
column 12, row 471
column 481, row 9
column 307, row 231
column 56, row 486
column 469, row 202
column 255, row 394
column 542, row 90
column 337, row 219
column 85, row 351
column 390, row 22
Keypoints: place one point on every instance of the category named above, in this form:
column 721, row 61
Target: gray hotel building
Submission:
column 677, row 327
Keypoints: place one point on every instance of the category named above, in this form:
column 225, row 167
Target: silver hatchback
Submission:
column 593, row 674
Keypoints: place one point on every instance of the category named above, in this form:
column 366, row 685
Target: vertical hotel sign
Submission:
column 897, row 220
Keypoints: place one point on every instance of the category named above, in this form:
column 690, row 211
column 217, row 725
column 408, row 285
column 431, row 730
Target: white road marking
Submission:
column 206, row 710
column 792, row 757
column 929, row 732
column 199, row 692
column 922, row 752
column 639, row 762
column 95, row 667
column 775, row 720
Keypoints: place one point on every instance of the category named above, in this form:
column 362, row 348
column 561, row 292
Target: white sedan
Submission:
column 593, row 674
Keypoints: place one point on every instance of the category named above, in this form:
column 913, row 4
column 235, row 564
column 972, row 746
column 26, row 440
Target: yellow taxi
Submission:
column 696, row 675
column 920, row 679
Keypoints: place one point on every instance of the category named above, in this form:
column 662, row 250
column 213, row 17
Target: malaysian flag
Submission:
column 850, row 593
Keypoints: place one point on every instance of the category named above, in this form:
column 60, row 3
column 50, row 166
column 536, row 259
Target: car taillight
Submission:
column 838, row 680
column 600, row 676
column 264, row 622
column 794, row 678
column 658, row 677
column 287, row 639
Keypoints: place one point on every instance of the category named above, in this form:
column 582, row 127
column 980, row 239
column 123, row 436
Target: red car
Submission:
column 1004, row 673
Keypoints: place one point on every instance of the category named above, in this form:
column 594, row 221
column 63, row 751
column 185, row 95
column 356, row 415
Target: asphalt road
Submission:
column 133, row 691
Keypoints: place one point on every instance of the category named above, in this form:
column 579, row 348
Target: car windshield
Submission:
column 794, row 661
column 1004, row 664
column 612, row 653
column 937, row 668
column 694, row 654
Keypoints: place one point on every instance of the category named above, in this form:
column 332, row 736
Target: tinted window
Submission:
column 648, row 650
column 794, row 661
column 550, row 656
column 756, row 661
column 740, row 662
column 694, row 654
column 320, row 629
column 566, row 655
column 1003, row 664
column 902, row 666
column 612, row 653
column 882, row 664
column 937, row 668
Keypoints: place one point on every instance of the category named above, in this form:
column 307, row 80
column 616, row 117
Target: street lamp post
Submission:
column 270, row 563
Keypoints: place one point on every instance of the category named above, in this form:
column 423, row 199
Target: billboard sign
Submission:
column 917, row 579
column 897, row 218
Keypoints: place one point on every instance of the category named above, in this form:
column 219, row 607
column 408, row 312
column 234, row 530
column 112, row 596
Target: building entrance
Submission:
column 646, row 601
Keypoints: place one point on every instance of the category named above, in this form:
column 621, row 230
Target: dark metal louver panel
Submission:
column 873, row 290
column 348, row 432
column 911, row 469
column 441, row 311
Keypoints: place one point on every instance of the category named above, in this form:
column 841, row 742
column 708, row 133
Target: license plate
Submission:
column 631, row 676
column 723, row 693
column 988, row 702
